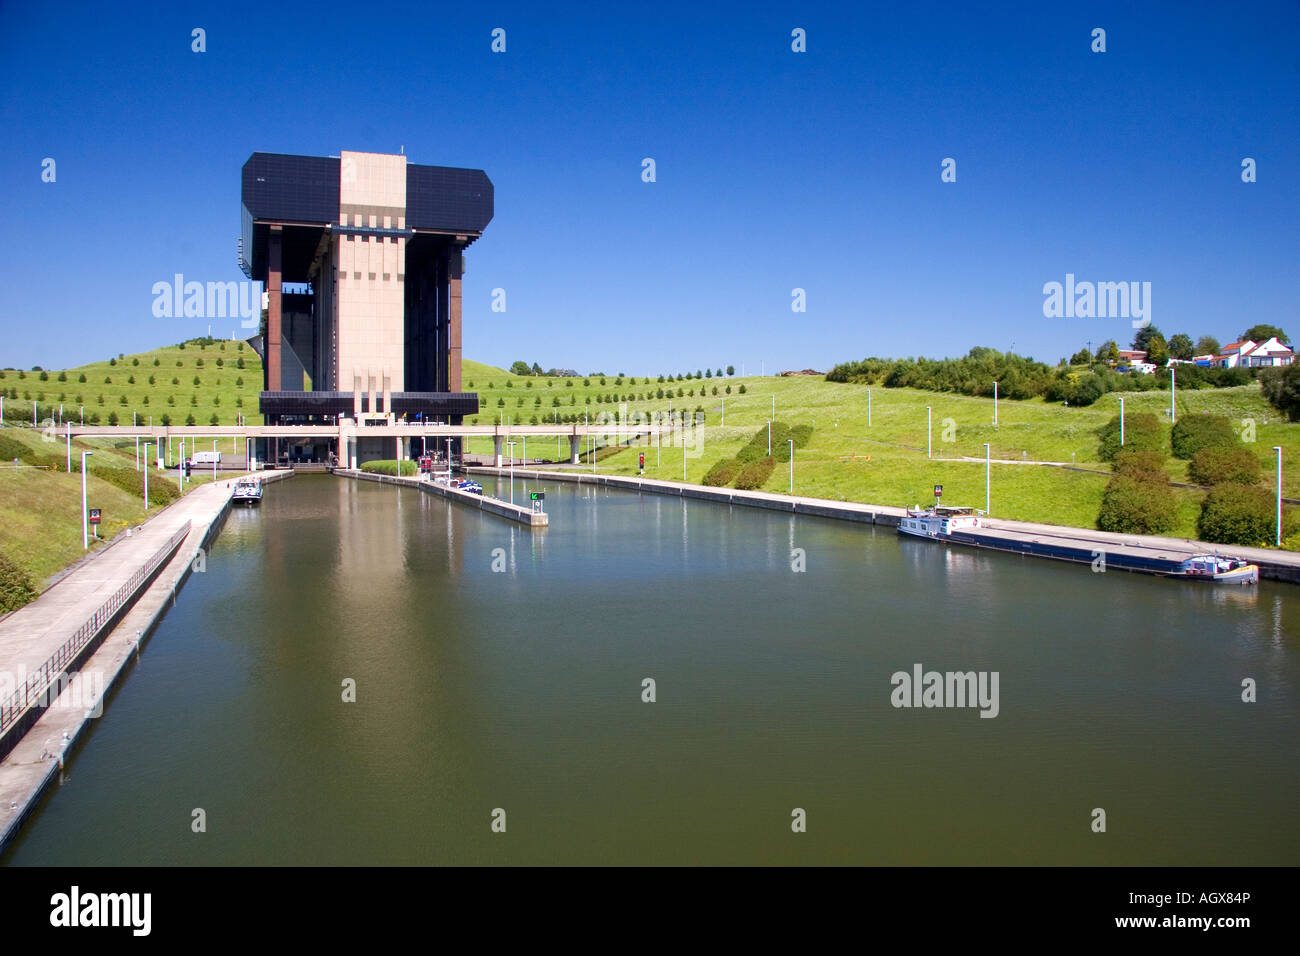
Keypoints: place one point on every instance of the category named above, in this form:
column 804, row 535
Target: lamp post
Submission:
column 769, row 438
column 85, row 529
column 214, row 460
column 929, row 421
column 791, row 466
column 511, row 446
column 1173, row 378
column 1278, row 449
column 134, row 423
column 69, row 447
column 987, row 497
column 146, row 476
column 995, row 403
column 1121, row 423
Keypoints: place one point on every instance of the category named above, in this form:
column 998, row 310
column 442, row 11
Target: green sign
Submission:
column 537, row 496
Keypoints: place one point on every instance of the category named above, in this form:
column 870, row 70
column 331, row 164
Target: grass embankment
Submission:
column 40, row 507
column 224, row 388
column 885, row 462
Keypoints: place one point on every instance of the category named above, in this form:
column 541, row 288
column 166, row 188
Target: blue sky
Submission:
column 775, row 170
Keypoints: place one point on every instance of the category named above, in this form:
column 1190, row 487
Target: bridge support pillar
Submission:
column 496, row 450
column 575, row 449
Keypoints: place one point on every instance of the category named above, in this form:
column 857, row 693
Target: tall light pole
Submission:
column 146, row 476
column 1173, row 378
column 69, row 447
column 791, row 465
column 995, row 403
column 929, row 420
column 85, row 529
column 137, row 442
column 1121, row 423
column 214, row 460
column 769, row 438
column 511, row 446
column 1278, row 449
column 987, row 496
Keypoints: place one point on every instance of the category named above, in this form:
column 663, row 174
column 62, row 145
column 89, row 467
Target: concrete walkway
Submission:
column 30, row 635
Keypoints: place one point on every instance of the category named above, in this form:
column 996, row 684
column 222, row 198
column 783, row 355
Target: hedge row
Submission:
column 388, row 467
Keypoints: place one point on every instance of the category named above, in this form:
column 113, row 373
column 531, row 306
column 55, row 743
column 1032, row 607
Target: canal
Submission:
column 496, row 668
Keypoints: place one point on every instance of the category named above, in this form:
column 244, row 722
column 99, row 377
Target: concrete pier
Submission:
column 41, row 738
column 519, row 513
column 1274, row 565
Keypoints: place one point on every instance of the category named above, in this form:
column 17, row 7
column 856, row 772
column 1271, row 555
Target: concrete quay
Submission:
column 523, row 515
column 1274, row 565
column 39, row 742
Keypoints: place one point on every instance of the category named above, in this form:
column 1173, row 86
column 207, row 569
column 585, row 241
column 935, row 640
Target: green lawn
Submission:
column 885, row 462
column 225, row 390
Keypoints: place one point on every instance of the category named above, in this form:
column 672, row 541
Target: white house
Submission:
column 1230, row 356
column 1268, row 354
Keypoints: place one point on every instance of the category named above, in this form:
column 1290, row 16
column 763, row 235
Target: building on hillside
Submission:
column 1268, row 354
column 1230, row 356
column 1132, row 356
column 361, row 256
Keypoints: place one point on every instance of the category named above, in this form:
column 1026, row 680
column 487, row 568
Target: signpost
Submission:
column 641, row 462
column 938, row 493
column 537, row 498
column 93, row 518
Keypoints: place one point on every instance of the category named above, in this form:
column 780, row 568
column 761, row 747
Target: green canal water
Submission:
column 521, row 689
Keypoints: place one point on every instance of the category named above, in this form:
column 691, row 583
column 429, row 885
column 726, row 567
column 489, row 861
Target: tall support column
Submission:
column 274, row 335
column 575, row 449
column 496, row 450
column 455, row 274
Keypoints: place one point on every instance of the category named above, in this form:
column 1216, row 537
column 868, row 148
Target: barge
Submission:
column 966, row 526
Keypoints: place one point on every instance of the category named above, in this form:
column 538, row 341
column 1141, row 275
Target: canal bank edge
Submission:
column 29, row 769
column 534, row 521
column 1274, row 565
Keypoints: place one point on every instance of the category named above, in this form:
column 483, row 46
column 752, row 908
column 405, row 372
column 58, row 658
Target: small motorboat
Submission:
column 1218, row 569
column 248, row 491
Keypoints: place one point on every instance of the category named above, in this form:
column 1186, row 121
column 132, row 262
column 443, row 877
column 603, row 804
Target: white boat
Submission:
column 1219, row 569
column 248, row 491
column 937, row 522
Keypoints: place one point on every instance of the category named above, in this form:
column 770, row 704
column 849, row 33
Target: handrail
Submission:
column 39, row 682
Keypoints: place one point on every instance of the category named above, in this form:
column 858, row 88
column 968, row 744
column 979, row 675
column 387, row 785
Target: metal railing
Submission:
column 40, row 681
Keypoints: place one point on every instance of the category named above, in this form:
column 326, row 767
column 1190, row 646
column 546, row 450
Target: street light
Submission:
column 146, row 476
column 995, row 403
column 85, row 529
column 987, row 506
column 929, row 420
column 1121, row 423
column 1278, row 449
column 511, row 446
column 791, row 465
column 1173, row 378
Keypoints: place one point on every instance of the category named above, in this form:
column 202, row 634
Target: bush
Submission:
column 723, row 473
column 755, row 474
column 1281, row 388
column 1132, row 505
column 388, row 467
column 1142, row 432
column 1238, row 514
column 1234, row 464
column 132, row 482
column 1143, row 465
column 16, row 587
column 1191, row 434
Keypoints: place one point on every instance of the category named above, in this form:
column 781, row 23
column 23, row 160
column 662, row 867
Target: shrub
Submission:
column 388, row 467
column 214, row 420
column 1132, row 505
column 81, row 377
column 135, row 361
column 1191, row 434
column 166, row 420
column 112, row 418
column 239, row 362
column 1142, row 432
column 132, row 482
column 157, row 362
column 755, row 474
column 16, row 587
column 63, row 376
column 722, row 473
column 1143, row 465
column 1233, row 464
column 112, row 361
column 189, row 420
column 1237, row 514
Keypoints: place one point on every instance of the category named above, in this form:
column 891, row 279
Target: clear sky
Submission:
column 775, row 170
